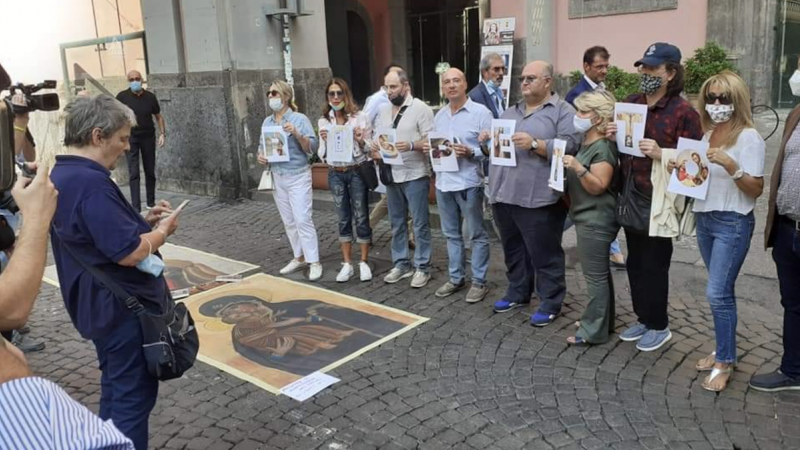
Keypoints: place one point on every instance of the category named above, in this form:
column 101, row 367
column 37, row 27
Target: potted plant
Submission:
column 319, row 172
column 707, row 61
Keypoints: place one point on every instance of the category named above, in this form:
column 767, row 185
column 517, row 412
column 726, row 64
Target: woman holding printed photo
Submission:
column 293, row 194
column 350, row 193
column 725, row 219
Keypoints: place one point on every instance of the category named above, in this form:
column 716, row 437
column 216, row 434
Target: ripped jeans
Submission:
column 350, row 197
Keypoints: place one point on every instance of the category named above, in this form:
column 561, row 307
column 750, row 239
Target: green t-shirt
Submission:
column 585, row 207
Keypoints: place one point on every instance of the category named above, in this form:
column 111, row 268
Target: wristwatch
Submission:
column 535, row 145
column 738, row 174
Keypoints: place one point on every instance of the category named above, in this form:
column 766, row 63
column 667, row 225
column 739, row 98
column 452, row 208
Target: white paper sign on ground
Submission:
column 691, row 173
column 387, row 140
column 274, row 144
column 630, row 119
column 556, row 181
column 340, row 144
column 308, row 386
column 442, row 155
column 501, row 150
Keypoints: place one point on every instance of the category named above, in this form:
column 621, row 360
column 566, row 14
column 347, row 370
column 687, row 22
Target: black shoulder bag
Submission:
column 633, row 207
column 170, row 340
column 385, row 169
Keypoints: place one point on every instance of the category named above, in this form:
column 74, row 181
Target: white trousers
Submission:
column 293, row 196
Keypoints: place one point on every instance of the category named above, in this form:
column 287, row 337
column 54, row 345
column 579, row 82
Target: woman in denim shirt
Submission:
column 348, row 188
column 292, row 179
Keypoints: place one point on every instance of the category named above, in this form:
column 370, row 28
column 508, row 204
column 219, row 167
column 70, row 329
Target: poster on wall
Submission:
column 498, row 31
column 507, row 53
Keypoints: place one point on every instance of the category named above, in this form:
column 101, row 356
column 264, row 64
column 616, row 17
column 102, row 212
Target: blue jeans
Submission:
column 467, row 204
column 350, row 197
column 724, row 239
column 613, row 250
column 128, row 392
column 531, row 239
column 786, row 254
column 410, row 196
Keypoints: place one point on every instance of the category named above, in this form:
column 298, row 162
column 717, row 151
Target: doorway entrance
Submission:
column 787, row 55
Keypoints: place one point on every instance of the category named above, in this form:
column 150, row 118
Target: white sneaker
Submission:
column 293, row 266
column 364, row 271
column 345, row 274
column 315, row 271
column 420, row 279
column 396, row 275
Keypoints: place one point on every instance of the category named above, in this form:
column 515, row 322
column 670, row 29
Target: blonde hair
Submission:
column 735, row 88
column 598, row 102
column 287, row 93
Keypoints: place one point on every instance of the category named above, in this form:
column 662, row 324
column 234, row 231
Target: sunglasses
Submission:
column 135, row 79
column 273, row 93
column 527, row 79
column 723, row 99
column 335, row 94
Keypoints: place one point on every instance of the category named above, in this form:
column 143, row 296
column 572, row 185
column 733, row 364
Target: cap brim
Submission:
column 649, row 61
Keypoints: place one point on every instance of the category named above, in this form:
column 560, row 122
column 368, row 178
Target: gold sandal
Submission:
column 706, row 364
column 714, row 374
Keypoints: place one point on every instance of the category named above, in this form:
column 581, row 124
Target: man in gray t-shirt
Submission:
column 529, row 215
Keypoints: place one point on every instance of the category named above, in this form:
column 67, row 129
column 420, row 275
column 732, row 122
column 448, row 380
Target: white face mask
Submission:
column 275, row 104
column 794, row 83
column 581, row 124
column 720, row 113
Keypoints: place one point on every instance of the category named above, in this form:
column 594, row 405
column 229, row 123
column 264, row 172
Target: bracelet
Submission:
column 583, row 174
column 20, row 129
column 412, row 145
column 149, row 245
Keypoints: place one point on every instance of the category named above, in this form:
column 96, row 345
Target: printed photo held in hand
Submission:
column 630, row 119
column 387, row 146
column 273, row 144
column 443, row 156
column 690, row 170
column 501, row 148
column 556, row 181
column 340, row 144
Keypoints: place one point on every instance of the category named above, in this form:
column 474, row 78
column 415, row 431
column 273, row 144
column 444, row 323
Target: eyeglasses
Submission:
column 498, row 69
column 712, row 98
column 334, row 94
column 135, row 79
column 528, row 79
column 273, row 93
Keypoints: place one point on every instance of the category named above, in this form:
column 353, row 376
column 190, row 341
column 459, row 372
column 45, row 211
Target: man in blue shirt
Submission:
column 460, row 194
column 101, row 228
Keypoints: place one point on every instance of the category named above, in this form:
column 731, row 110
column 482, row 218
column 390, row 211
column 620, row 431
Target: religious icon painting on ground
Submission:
column 272, row 331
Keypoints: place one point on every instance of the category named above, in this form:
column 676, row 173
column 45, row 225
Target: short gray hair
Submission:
column 84, row 114
column 487, row 59
column 548, row 70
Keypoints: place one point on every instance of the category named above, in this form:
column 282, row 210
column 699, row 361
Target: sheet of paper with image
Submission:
column 501, row 148
column 692, row 171
column 556, row 181
column 308, row 386
column 340, row 144
column 387, row 146
column 630, row 119
column 274, row 144
column 442, row 155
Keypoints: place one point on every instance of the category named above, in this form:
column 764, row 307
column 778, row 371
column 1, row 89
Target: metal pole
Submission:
column 781, row 69
column 97, row 35
column 287, row 50
column 121, row 44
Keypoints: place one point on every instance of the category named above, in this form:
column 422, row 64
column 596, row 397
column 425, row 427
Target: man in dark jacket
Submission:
column 595, row 69
column 488, row 92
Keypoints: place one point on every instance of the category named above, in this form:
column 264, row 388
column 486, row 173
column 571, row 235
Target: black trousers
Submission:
column 531, row 239
column 648, row 274
column 786, row 253
column 146, row 147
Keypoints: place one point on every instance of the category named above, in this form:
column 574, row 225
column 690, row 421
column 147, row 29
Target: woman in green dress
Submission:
column 592, row 203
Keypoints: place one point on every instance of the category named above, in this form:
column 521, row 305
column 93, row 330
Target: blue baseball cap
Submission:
column 658, row 54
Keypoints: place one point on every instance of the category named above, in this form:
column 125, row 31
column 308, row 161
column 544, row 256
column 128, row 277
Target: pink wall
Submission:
column 627, row 36
column 511, row 8
column 381, row 27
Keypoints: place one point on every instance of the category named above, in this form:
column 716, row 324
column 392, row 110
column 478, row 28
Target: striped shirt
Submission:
column 37, row 414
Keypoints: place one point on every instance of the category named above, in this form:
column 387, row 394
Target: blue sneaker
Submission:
column 654, row 339
column 541, row 319
column 505, row 305
column 634, row 333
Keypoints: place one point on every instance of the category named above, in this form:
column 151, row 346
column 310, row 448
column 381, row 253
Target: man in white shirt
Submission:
column 459, row 194
column 411, row 179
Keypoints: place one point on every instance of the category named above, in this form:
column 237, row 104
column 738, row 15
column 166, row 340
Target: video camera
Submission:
column 35, row 102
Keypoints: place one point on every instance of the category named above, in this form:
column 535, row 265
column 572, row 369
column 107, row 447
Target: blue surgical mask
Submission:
column 152, row 265
column 492, row 85
column 136, row 86
column 337, row 107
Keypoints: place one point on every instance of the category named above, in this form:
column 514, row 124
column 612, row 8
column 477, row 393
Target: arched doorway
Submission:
column 359, row 49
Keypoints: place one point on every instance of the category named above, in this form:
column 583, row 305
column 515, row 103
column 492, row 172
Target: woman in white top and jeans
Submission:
column 725, row 218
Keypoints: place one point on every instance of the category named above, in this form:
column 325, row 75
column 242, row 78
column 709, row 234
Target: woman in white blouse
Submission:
column 725, row 218
column 344, row 151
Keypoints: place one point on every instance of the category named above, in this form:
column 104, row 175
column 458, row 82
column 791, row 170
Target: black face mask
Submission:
column 7, row 237
column 399, row 100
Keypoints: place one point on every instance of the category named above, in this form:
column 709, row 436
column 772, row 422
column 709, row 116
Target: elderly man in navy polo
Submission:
column 95, row 223
column 529, row 215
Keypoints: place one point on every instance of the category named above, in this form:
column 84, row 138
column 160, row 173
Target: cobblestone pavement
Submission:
column 468, row 378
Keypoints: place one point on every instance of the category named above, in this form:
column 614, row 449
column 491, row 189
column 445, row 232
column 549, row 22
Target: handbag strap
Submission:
column 399, row 116
column 130, row 301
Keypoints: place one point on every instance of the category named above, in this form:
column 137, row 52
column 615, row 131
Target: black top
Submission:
column 144, row 106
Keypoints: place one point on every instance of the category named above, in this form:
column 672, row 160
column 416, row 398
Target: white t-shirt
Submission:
column 723, row 194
